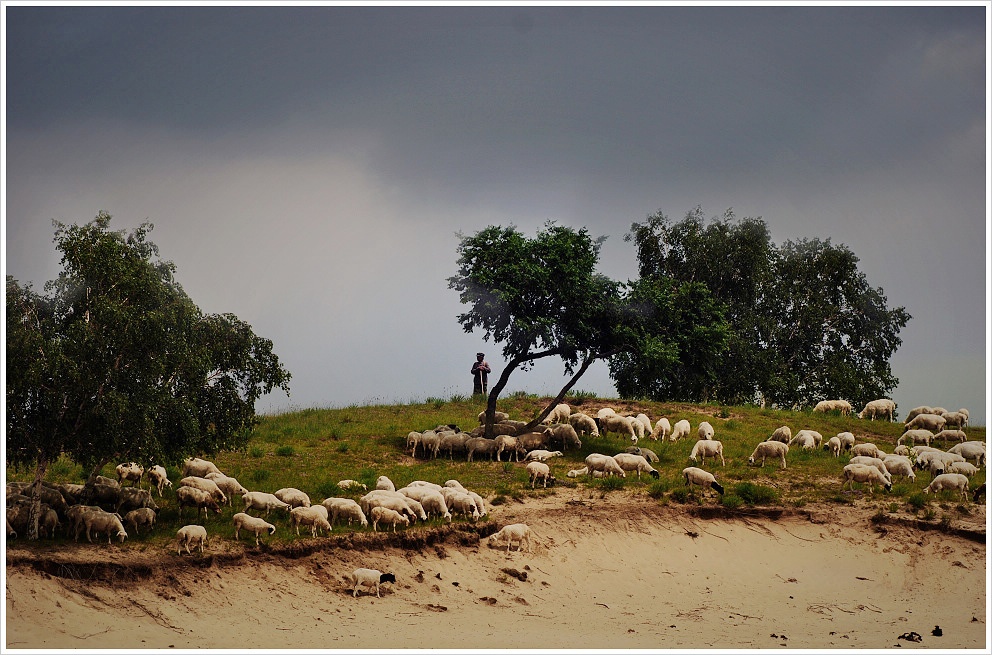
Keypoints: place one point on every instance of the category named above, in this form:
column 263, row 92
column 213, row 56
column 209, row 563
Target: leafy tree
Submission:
column 805, row 324
column 542, row 298
column 116, row 363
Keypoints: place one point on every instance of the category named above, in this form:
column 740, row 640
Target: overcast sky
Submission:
column 309, row 168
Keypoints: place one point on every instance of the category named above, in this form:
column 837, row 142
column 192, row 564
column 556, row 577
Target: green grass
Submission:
column 311, row 449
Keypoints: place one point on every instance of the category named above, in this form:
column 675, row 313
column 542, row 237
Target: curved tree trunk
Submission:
column 561, row 394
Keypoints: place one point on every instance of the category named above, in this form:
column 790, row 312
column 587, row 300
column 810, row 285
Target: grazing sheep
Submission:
column 509, row 444
column 199, row 467
column 564, row 435
column 783, row 434
column 767, row 449
column 661, row 429
column 646, row 453
column 452, row 442
column 869, row 449
column 100, row 522
column 969, row 450
column 542, row 455
column 912, row 436
column 933, row 422
column 190, row 535
column 261, row 500
column 846, row 440
column 559, row 414
column 383, row 483
column 370, row 578
column 431, row 443
column 949, row 435
column 433, row 503
column 480, row 445
column 532, row 441
column 158, row 478
column 964, row 468
column 622, row 425
column 704, row 448
column 412, row 441
column 583, row 424
column 631, row 462
column 903, row 450
column 604, row 463
column 229, row 486
column 387, row 516
column 866, row 475
column 198, row 499
column 134, row 498
column 344, row 508
column 251, row 524
column 74, row 518
column 141, row 516
column 460, row 502
column 205, row 484
column 606, row 411
column 498, row 417
column 129, row 471
column 539, row 471
column 916, row 411
column 293, row 497
column 680, row 430
column 841, row 406
column 351, row 484
column 315, row 517
column 900, row 465
column 706, row 430
column 955, row 419
column 883, row 407
column 872, row 461
column 704, row 479
column 949, row 482
column 515, row 532
column 390, row 499
column 834, row 446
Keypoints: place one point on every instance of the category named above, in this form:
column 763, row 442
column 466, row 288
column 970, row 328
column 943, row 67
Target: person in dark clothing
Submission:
column 480, row 374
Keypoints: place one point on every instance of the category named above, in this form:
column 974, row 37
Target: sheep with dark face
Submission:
column 370, row 578
column 704, row 479
column 539, row 471
column 631, row 462
column 251, row 524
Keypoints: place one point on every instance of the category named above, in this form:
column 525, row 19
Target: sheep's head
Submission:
column 655, row 474
column 271, row 528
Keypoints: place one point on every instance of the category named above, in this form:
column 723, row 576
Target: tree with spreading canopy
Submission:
column 114, row 362
column 805, row 325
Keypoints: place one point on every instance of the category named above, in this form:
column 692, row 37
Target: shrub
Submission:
column 285, row 451
column 682, row 495
column 437, row 403
column 260, row 475
column 731, row 501
column 256, row 452
column 756, row 494
column 611, row 483
column 918, row 500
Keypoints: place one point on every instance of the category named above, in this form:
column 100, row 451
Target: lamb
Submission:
column 912, row 436
column 509, row 444
column 604, row 463
column 583, row 424
column 141, row 516
column 101, row 521
column 520, row 533
column 199, row 467
column 370, row 578
column 480, row 445
column 834, row 446
column 679, row 430
column 344, row 508
column 539, row 471
column 883, row 407
column 293, row 497
column 386, row 515
column 559, row 414
column 948, row 435
column 767, row 449
column 970, row 449
column 623, row 425
column 190, row 535
column 542, row 455
column 351, row 484
column 252, row 524
column 646, row 453
column 383, row 483
column 866, row 475
column 933, row 422
column 949, row 482
column 704, row 479
column 783, row 434
column 196, row 498
column 631, row 462
column 661, row 429
column 498, row 417
column 964, row 468
column 900, row 465
column 315, row 517
column 130, row 471
column 563, row 434
column 706, row 430
column 706, row 448
column 955, row 419
column 205, row 484
column 261, row 500
column 158, row 478
column 869, row 449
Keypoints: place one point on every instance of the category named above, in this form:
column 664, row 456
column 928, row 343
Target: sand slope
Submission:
column 609, row 573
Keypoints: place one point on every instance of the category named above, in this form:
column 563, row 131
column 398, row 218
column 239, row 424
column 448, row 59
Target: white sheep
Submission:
column 767, row 449
column 606, row 411
column 841, row 406
column 623, row 425
column 574, row 473
column 412, row 441
column 198, row 467
column 190, row 535
column 864, row 474
column 390, row 499
column 680, row 430
column 883, row 407
column 293, row 497
column 706, row 430
column 387, row 516
column 103, row 522
column 912, row 436
column 604, row 463
column 539, row 471
column 916, row 411
column 431, row 443
column 499, row 417
column 933, row 422
column 645, row 423
column 639, row 463
column 158, row 478
column 520, row 533
column 804, row 439
column 230, row 486
column 583, row 424
column 834, row 446
column 955, row 419
column 141, row 516
column 559, row 414
column 383, row 483
column 662, row 429
column 205, row 484
column 900, row 465
column 351, row 484
column 949, row 482
column 846, row 440
column 315, row 517
column 699, row 477
column 872, row 461
column 196, row 498
column 130, row 471
column 969, row 450
column 344, row 508
column 435, row 505
column 370, row 578
column 542, row 455
column 869, row 449
column 505, row 442
column 951, row 435
column 782, row 433
column 460, row 502
column 706, row 448
column 262, row 500
column 964, row 468
column 903, row 450
column 251, row 524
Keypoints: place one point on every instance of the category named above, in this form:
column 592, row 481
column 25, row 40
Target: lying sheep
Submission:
column 351, row 484
column 130, row 471
column 680, row 430
column 604, row 463
column 864, row 474
column 387, row 516
column 969, row 450
column 515, row 532
column 783, row 434
column 542, row 455
column 251, row 524
column 706, row 430
column 143, row 516
column 881, row 408
column 699, row 477
column 662, row 428
column 705, row 448
column 370, row 578
column 539, row 471
column 631, row 462
column 158, row 478
column 949, row 482
column 344, row 508
column 293, row 497
column 315, row 517
column 583, row 424
column 767, row 449
column 262, row 500
column 190, row 535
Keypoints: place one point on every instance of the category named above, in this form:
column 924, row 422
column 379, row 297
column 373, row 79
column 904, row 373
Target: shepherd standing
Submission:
column 480, row 374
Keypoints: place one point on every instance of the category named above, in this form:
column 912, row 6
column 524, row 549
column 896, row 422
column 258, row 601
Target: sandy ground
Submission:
column 607, row 573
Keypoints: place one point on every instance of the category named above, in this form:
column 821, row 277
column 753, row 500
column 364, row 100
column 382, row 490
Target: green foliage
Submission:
column 756, row 494
column 610, row 483
column 683, row 495
column 285, row 451
column 256, row 452
column 731, row 501
column 918, row 500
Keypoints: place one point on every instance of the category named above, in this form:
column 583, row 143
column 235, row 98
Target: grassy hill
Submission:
column 312, row 449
